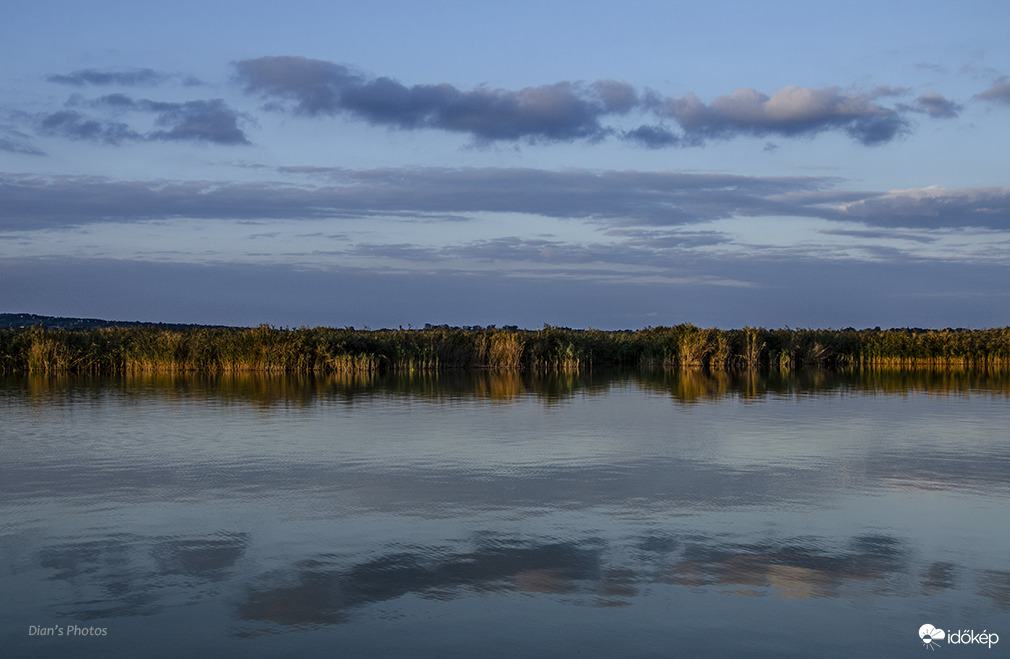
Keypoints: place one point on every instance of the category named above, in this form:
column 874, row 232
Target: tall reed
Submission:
column 267, row 349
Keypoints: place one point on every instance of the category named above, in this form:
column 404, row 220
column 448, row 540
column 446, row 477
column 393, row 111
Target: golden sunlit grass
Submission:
column 551, row 349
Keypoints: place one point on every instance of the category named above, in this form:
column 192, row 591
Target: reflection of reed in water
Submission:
column 695, row 385
column 683, row 385
column 502, row 386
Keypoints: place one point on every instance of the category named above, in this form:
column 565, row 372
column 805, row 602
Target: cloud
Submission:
column 617, row 96
column 127, row 78
column 998, row 93
column 887, row 90
column 606, row 199
column 198, row 121
column 882, row 234
column 567, row 111
column 318, row 592
column 653, row 137
column 935, row 105
column 617, row 198
column 934, row 207
column 201, row 121
column 637, row 254
column 931, row 67
column 790, row 112
column 73, row 124
column 19, row 146
column 15, row 141
column 560, row 112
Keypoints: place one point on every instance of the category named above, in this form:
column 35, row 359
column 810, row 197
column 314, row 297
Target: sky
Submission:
column 579, row 164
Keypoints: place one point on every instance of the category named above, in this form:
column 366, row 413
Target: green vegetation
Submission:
column 551, row 349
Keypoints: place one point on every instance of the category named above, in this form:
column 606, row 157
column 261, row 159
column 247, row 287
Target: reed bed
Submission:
column 268, row 349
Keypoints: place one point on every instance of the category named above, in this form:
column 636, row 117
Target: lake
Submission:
column 504, row 515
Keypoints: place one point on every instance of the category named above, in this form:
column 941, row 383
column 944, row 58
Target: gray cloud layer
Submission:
column 567, row 110
column 620, row 198
column 614, row 198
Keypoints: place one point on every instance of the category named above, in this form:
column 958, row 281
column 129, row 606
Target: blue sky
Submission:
column 609, row 165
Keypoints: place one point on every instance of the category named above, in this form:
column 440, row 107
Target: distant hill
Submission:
column 25, row 320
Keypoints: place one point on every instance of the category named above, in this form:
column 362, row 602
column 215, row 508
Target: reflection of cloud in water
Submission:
column 938, row 577
column 995, row 584
column 941, row 469
column 203, row 558
column 127, row 575
column 115, row 577
column 70, row 561
column 795, row 571
column 323, row 592
column 104, row 577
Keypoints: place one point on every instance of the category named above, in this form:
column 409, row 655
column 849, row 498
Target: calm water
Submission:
column 498, row 515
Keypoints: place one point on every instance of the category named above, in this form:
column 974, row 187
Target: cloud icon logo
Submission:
column 929, row 634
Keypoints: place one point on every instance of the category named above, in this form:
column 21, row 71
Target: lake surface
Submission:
column 500, row 515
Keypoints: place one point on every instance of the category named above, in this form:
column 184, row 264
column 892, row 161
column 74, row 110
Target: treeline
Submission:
column 333, row 350
column 27, row 320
